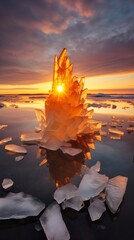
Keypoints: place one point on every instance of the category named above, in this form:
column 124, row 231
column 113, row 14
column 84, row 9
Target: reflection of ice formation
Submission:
column 66, row 116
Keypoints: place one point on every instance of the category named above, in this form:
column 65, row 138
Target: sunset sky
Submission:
column 98, row 35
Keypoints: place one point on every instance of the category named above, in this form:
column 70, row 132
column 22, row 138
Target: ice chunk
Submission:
column 53, row 224
column 37, row 129
column 7, row 183
column 102, row 133
column 116, row 131
column 104, row 124
column 71, row 151
column 76, row 203
column 96, row 209
column 5, row 140
column 19, row 205
column 2, row 105
column 117, row 137
column 44, row 161
column 15, row 148
column 91, row 146
column 31, row 137
column 88, row 155
column 3, row 126
column 96, row 167
column 92, row 184
column 130, row 129
column 19, row 158
column 65, row 192
column 115, row 191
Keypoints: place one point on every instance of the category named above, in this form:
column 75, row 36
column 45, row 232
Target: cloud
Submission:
column 98, row 34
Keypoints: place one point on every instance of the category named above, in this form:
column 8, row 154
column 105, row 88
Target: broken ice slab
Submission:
column 71, row 151
column 19, row 158
column 44, row 161
column 15, row 148
column 95, row 167
column 97, row 137
column 115, row 191
column 92, row 184
column 37, row 129
column 96, row 209
column 31, row 137
column 104, row 134
column 5, row 140
column 91, row 146
column 88, row 155
column 19, row 205
column 3, row 126
column 113, row 124
column 130, row 129
column 7, row 183
column 131, row 123
column 53, row 224
column 115, row 137
column 75, row 203
column 65, row 192
column 104, row 124
column 116, row 131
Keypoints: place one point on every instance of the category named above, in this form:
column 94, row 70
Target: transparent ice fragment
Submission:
column 92, row 184
column 117, row 137
column 115, row 191
column 53, row 224
column 19, row 158
column 96, row 209
column 5, row 140
column 3, row 126
column 96, row 167
column 7, row 183
column 44, row 161
column 65, row 192
column 19, row 205
column 15, row 148
column 31, row 137
column 71, row 151
column 76, row 203
column 116, row 131
column 130, row 129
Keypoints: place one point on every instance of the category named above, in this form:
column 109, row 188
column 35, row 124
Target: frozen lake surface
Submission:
column 116, row 157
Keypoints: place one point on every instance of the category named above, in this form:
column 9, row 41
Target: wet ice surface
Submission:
column 116, row 157
column 53, row 224
column 19, row 205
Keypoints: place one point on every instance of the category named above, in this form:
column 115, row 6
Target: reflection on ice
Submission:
column 53, row 224
column 19, row 205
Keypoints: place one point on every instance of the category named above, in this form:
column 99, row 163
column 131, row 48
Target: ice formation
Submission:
column 5, row 140
column 66, row 116
column 65, row 192
column 96, row 209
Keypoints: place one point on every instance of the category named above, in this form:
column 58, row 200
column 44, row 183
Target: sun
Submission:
column 60, row 88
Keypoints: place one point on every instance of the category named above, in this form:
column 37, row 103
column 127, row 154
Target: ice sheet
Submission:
column 15, row 148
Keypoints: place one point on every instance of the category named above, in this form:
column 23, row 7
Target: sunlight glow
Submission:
column 60, row 88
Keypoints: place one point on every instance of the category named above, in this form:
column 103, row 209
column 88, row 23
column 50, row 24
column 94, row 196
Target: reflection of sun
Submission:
column 60, row 88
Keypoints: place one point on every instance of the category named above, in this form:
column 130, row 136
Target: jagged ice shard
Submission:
column 66, row 116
